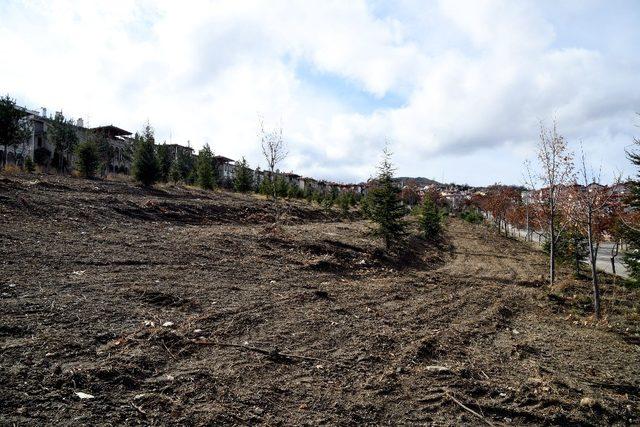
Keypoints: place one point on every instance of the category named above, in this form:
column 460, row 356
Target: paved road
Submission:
column 603, row 262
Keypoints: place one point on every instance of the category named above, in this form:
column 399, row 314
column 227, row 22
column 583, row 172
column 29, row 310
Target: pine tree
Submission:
column 164, row 160
column 632, row 230
column 174, row 172
column 62, row 134
column 184, row 163
column 106, row 151
column 87, row 159
column 243, row 180
column 266, row 187
column 344, row 203
column 430, row 219
column 281, row 186
column 385, row 207
column 14, row 128
column 206, row 179
column 145, row 164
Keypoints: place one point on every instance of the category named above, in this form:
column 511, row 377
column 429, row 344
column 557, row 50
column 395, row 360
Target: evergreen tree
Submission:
column 145, row 164
column 14, row 128
column 632, row 230
column 430, row 219
column 317, row 197
column 344, row 203
column 174, row 172
column 281, row 186
column 334, row 193
column 164, row 160
column 294, row 192
column 184, row 163
column 62, row 134
column 266, row 187
column 572, row 248
column 87, row 159
column 206, row 180
column 106, row 151
column 243, row 180
column 308, row 194
column 385, row 207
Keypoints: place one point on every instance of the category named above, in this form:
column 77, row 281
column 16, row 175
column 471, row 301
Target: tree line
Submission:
column 565, row 202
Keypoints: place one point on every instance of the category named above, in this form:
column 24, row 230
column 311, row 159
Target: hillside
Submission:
column 420, row 181
column 181, row 306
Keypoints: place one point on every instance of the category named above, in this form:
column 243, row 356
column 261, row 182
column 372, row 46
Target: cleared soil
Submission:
column 308, row 324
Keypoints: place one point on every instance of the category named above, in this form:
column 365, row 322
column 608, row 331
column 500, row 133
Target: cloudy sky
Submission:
column 457, row 87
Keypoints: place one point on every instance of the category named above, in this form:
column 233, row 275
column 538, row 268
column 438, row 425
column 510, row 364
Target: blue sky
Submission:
column 458, row 87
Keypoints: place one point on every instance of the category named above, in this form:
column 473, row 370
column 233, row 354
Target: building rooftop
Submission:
column 223, row 159
column 112, row 130
column 178, row 146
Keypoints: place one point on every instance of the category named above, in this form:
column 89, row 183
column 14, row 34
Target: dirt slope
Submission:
column 92, row 270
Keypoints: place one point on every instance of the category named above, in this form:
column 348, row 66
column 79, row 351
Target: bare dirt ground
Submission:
column 311, row 324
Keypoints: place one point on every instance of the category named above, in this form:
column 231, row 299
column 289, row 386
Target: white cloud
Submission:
column 467, row 77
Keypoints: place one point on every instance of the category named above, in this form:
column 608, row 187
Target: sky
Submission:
column 457, row 88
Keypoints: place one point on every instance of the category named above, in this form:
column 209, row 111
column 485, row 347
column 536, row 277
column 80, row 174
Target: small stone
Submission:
column 197, row 331
column 167, row 324
column 515, row 332
column 588, row 402
column 82, row 395
column 435, row 368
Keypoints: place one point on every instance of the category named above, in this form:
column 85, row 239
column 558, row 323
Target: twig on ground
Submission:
column 138, row 408
column 168, row 351
column 466, row 408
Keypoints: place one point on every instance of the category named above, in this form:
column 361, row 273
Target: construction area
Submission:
column 173, row 305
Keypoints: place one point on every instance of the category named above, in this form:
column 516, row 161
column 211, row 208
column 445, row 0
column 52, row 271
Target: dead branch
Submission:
column 466, row 408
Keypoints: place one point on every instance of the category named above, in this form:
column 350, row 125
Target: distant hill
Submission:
column 420, row 181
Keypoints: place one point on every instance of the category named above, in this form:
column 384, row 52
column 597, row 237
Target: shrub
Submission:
column 473, row 217
column 430, row 219
column 344, row 203
column 88, row 159
column 29, row 166
column 11, row 169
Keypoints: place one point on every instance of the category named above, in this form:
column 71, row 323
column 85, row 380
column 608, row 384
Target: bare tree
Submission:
column 555, row 170
column 274, row 152
column 590, row 209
